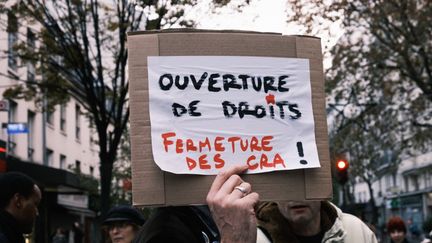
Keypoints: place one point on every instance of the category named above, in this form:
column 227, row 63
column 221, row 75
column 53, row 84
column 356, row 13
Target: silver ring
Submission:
column 242, row 189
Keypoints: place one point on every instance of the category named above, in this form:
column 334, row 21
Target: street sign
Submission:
column 392, row 203
column 16, row 128
column 4, row 105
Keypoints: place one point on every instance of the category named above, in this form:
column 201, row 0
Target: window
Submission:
column 12, row 117
column 49, row 157
column 388, row 181
column 12, row 111
column 77, row 166
column 12, row 30
column 31, row 43
column 92, row 132
column 91, row 170
column 63, row 118
column 428, row 178
column 415, row 182
column 30, row 136
column 50, row 117
column 91, row 142
column 380, row 187
column 62, row 161
column 77, row 122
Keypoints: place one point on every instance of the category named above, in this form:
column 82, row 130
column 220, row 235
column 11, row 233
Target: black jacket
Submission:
column 187, row 224
column 9, row 232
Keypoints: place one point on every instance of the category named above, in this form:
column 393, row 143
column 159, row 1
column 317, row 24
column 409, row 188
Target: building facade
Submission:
column 405, row 192
column 58, row 148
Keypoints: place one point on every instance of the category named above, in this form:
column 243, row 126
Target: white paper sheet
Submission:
column 210, row 112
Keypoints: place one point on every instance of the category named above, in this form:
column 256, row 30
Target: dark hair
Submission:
column 12, row 183
column 396, row 224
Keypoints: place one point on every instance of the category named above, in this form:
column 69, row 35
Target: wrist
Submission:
column 240, row 239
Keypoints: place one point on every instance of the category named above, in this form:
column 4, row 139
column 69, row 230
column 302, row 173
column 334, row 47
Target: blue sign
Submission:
column 15, row 128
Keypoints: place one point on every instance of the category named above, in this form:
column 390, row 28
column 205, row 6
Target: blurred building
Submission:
column 405, row 191
column 58, row 149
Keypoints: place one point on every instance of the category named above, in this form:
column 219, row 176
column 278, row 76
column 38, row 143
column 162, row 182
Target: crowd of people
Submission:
column 234, row 214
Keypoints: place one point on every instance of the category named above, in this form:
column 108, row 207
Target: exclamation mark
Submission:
column 300, row 152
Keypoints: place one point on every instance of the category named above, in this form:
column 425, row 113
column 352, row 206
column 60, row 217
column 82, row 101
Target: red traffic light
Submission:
column 341, row 171
column 342, row 165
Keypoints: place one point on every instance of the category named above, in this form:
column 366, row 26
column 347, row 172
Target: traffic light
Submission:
column 342, row 171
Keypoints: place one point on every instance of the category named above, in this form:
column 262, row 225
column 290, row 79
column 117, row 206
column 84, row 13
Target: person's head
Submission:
column 122, row 223
column 20, row 196
column 60, row 231
column 396, row 229
column 303, row 216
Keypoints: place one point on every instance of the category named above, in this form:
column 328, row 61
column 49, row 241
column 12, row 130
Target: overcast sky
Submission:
column 259, row 15
column 268, row 16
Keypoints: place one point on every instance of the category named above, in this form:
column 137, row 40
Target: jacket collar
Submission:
column 275, row 224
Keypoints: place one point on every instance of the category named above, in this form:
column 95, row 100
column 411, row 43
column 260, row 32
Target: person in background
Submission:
column 237, row 213
column 19, row 201
column 60, row 236
column 77, row 232
column 122, row 224
column 414, row 230
column 397, row 230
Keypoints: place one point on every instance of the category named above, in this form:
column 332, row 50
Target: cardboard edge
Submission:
column 193, row 30
column 138, row 194
column 312, row 176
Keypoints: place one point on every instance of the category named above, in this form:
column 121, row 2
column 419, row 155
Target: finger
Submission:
column 251, row 198
column 242, row 190
column 228, row 187
column 223, row 176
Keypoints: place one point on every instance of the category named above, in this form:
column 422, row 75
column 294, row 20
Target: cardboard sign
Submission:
column 212, row 112
column 153, row 186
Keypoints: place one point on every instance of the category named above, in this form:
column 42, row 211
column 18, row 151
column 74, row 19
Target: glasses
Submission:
column 118, row 224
